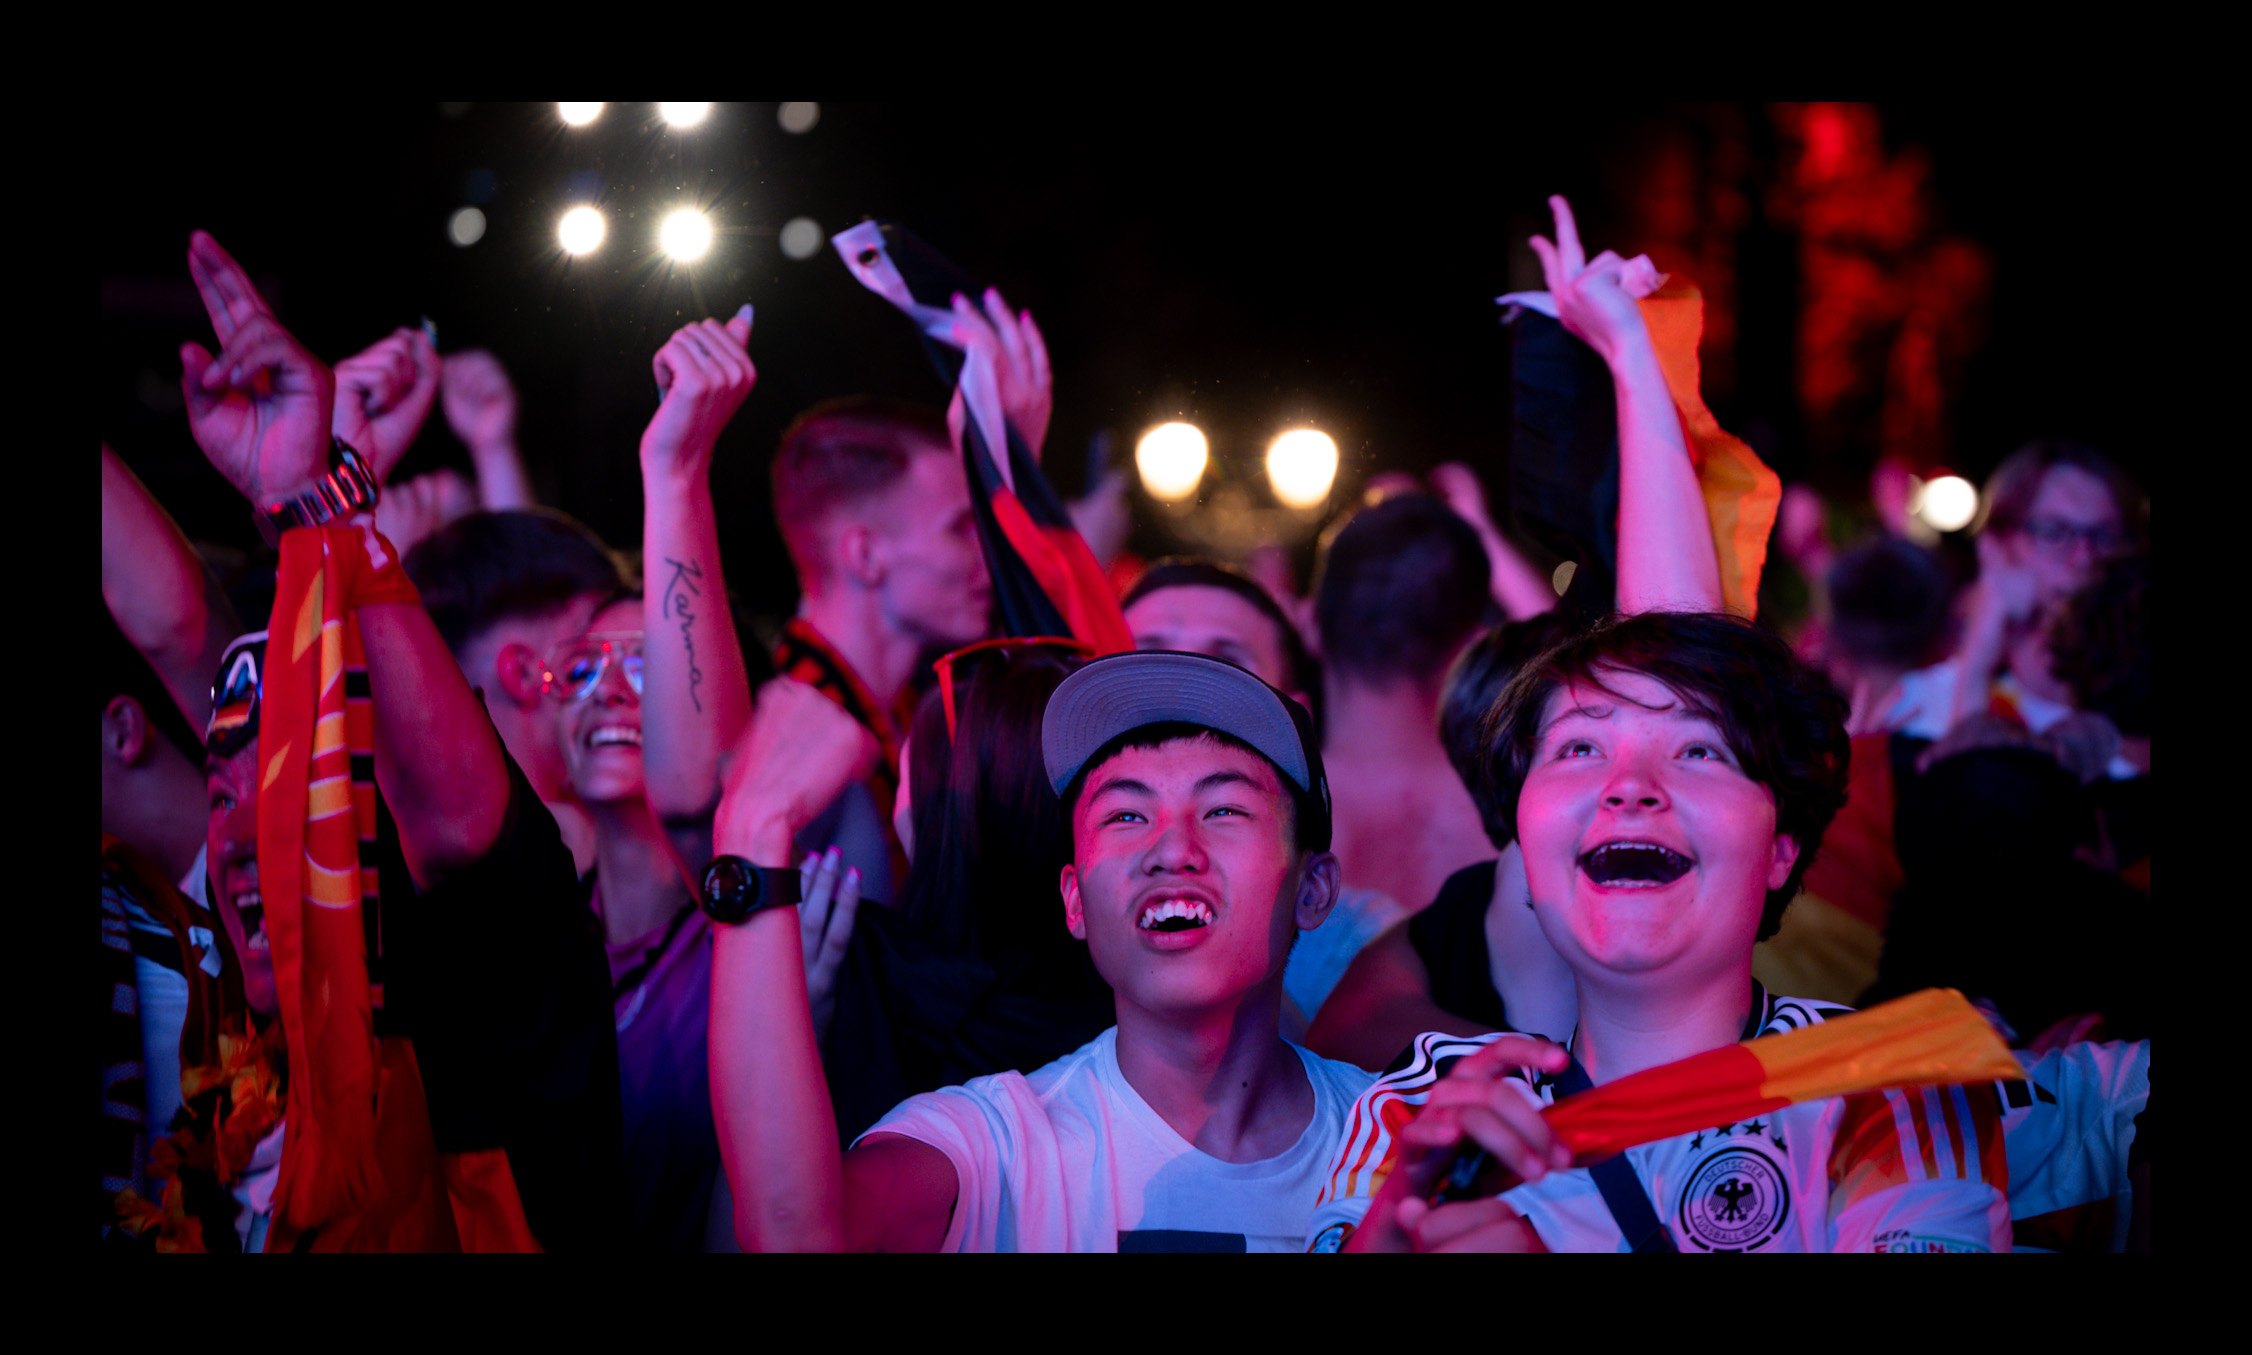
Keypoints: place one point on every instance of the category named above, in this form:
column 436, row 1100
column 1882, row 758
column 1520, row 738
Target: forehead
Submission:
column 241, row 769
column 1204, row 611
column 2072, row 493
column 1178, row 766
column 1622, row 692
column 624, row 614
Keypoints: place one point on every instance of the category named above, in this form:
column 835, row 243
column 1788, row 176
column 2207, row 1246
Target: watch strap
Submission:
column 348, row 488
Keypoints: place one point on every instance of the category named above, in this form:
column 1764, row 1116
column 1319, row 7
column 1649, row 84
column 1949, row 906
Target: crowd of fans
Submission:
column 597, row 924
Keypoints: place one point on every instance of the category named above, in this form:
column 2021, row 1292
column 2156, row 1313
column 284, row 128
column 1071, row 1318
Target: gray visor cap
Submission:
column 1121, row 692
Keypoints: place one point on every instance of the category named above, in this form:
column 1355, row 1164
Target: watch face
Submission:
column 731, row 888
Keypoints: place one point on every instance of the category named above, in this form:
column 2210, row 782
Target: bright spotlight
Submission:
column 801, row 237
column 686, row 235
column 579, row 115
column 683, row 115
column 1171, row 459
column 1947, row 503
column 798, row 119
column 466, row 227
column 580, row 231
column 1301, row 465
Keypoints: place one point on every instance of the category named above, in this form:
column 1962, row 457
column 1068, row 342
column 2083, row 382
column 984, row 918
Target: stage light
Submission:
column 1946, row 503
column 1302, row 465
column 686, row 235
column 683, row 115
column 798, row 119
column 580, row 231
column 1171, row 459
column 801, row 237
column 579, row 115
column 466, row 227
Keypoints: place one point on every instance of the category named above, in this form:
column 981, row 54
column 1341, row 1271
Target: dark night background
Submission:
column 1882, row 280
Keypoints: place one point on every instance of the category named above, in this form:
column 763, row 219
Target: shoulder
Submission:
column 1786, row 1014
column 1335, row 1082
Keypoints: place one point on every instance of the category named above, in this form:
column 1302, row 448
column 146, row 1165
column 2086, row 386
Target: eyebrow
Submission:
column 1679, row 710
column 1124, row 785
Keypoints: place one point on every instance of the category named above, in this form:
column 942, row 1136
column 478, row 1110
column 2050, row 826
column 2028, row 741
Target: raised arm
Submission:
column 1667, row 561
column 777, row 1127
column 261, row 411
column 159, row 593
column 696, row 697
column 481, row 409
column 1520, row 590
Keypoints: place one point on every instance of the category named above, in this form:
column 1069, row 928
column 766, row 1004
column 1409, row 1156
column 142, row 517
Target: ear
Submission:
column 516, row 670
column 125, row 730
column 1318, row 890
column 1074, row 915
column 859, row 555
column 1786, row 856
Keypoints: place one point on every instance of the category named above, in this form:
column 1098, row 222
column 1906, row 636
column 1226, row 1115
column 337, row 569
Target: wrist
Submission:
column 494, row 448
column 757, row 833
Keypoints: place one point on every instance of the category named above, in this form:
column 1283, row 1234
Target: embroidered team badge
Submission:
column 1736, row 1200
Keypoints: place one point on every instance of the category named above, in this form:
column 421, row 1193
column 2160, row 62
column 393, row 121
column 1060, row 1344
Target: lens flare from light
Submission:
column 798, row 119
column 686, row 235
column 579, row 115
column 1171, row 459
column 466, row 227
column 581, row 230
column 801, row 237
column 683, row 115
column 1946, row 503
column 1302, row 465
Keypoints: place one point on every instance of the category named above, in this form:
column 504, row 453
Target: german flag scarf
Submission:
column 359, row 1168
column 1045, row 580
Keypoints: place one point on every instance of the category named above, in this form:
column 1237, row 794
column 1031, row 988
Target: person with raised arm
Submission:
column 451, row 1078
column 1200, row 821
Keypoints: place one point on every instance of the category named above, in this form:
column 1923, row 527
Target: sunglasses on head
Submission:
column 576, row 666
column 1002, row 644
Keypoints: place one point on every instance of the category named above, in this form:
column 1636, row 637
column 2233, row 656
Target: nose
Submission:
column 613, row 687
column 236, row 840
column 1179, row 848
column 1635, row 784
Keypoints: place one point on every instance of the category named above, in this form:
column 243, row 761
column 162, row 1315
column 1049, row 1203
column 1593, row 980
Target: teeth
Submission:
column 1634, row 864
column 614, row 734
column 1191, row 911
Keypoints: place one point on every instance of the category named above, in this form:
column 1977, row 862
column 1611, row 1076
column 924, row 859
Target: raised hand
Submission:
column 411, row 510
column 383, row 394
column 1595, row 297
column 1020, row 363
column 799, row 751
column 703, row 374
column 480, row 402
column 261, row 409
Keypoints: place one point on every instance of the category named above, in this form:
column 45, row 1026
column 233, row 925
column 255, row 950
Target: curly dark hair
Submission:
column 1480, row 675
column 1784, row 722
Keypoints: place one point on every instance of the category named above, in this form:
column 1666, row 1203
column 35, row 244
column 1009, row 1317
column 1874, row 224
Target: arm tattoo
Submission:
column 678, row 592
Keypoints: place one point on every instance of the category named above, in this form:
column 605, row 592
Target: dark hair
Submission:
column 991, row 840
column 2013, row 486
column 1398, row 588
column 488, row 568
column 1782, row 720
column 1306, row 823
column 1474, row 685
column 1186, row 571
column 841, row 451
column 1889, row 603
column 2099, row 645
column 123, row 671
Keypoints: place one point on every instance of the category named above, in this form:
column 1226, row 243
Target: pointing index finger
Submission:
column 1569, row 250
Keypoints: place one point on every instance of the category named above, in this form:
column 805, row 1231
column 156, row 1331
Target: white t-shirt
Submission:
column 1927, row 696
column 1923, row 1170
column 1072, row 1159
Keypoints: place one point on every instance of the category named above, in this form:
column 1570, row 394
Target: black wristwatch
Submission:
column 348, row 488
column 734, row 888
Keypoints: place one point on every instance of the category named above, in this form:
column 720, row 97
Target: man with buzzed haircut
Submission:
column 875, row 509
column 504, row 589
column 1196, row 606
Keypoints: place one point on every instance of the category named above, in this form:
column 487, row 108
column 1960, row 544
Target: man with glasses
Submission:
column 2054, row 513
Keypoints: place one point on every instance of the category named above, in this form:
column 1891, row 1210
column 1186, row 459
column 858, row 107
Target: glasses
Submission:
column 945, row 666
column 576, row 667
column 2057, row 534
